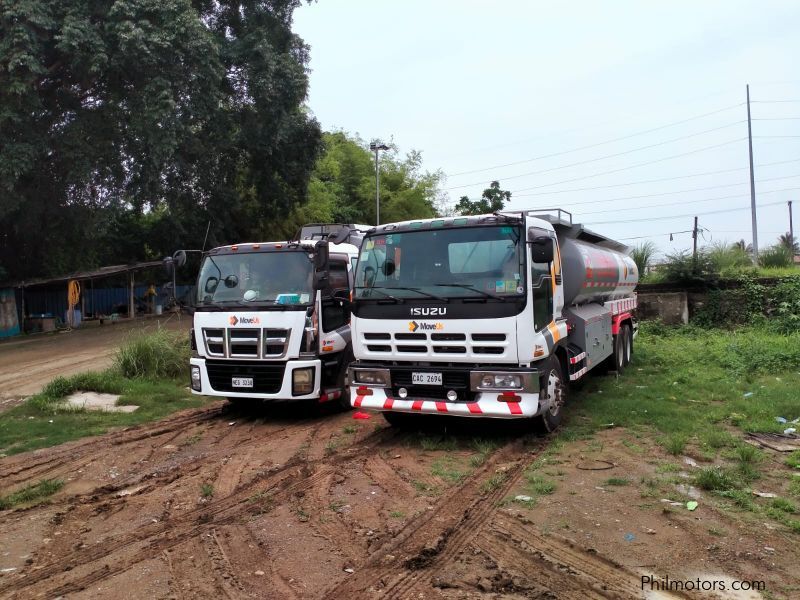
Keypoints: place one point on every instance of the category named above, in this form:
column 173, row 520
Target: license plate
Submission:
column 242, row 382
column 426, row 378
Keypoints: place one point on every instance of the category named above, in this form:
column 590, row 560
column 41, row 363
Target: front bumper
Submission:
column 279, row 387
column 485, row 404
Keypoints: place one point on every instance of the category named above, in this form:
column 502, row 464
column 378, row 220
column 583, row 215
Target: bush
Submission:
column 683, row 267
column 728, row 257
column 154, row 355
column 775, row 256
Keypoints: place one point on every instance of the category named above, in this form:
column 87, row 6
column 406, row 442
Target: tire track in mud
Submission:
column 426, row 542
column 24, row 467
column 121, row 553
column 558, row 563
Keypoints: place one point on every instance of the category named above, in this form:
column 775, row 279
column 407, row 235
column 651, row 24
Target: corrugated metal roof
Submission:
column 93, row 274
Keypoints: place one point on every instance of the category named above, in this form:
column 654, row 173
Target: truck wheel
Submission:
column 619, row 351
column 399, row 419
column 342, row 383
column 628, row 335
column 552, row 384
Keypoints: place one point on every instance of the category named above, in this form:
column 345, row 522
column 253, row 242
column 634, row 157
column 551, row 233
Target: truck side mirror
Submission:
column 542, row 249
column 179, row 258
column 321, row 275
column 169, row 266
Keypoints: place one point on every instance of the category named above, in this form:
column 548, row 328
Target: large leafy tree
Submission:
column 492, row 199
column 342, row 186
column 127, row 125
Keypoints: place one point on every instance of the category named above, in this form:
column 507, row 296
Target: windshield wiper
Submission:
column 418, row 290
column 385, row 295
column 466, row 286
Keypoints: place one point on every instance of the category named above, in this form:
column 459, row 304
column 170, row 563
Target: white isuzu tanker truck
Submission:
column 272, row 319
column 487, row 316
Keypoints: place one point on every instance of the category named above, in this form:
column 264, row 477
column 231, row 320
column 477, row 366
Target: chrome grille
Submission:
column 439, row 344
column 251, row 343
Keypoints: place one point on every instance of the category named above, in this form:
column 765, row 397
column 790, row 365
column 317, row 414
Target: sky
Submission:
column 631, row 115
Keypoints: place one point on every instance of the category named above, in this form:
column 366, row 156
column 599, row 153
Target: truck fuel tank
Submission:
column 592, row 273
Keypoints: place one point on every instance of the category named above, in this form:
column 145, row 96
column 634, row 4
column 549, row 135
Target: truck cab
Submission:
column 474, row 316
column 272, row 319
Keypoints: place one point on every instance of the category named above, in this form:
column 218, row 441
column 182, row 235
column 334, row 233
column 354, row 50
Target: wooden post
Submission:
column 83, row 304
column 131, row 308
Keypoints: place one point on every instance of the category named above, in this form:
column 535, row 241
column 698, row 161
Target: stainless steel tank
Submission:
column 592, row 273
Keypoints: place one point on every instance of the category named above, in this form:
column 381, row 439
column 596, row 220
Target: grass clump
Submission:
column 31, row 494
column 616, row 481
column 162, row 354
column 446, row 468
column 715, row 479
column 539, row 485
column 675, row 444
column 206, row 490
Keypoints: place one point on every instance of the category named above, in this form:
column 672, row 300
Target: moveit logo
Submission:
column 413, row 326
column 233, row 320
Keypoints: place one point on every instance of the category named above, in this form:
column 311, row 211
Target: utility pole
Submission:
column 376, row 147
column 791, row 230
column 694, row 237
column 752, row 181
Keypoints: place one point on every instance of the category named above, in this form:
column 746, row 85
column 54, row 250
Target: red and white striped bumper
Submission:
column 486, row 405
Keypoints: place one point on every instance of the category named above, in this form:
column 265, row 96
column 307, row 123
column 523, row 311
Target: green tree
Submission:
column 789, row 242
column 126, row 125
column 492, row 200
column 342, row 186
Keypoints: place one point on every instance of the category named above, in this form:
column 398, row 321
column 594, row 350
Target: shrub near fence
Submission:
column 753, row 302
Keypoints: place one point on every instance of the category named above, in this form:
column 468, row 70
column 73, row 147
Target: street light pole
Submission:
column 376, row 146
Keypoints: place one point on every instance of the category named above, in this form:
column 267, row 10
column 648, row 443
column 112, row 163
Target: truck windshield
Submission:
column 469, row 262
column 255, row 278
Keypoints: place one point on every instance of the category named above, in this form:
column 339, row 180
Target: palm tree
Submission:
column 789, row 242
column 744, row 246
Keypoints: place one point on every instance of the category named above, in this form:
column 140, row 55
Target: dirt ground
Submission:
column 27, row 364
column 269, row 502
column 272, row 501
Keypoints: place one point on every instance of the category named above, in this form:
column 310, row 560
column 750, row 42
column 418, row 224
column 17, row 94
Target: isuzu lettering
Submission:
column 487, row 316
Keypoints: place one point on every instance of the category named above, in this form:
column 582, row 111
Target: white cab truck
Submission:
column 487, row 316
column 272, row 318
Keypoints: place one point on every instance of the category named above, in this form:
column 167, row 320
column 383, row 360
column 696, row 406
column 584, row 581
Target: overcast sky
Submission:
column 477, row 85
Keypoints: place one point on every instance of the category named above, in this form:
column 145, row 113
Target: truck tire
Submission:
column 342, row 383
column 619, row 351
column 552, row 384
column 628, row 335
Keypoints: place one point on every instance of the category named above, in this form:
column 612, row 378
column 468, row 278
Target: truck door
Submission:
column 543, row 290
column 335, row 312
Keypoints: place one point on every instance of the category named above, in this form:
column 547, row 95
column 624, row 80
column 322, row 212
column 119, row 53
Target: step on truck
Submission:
column 272, row 319
column 487, row 316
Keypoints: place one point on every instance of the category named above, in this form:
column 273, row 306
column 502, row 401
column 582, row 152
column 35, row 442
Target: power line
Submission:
column 642, row 164
column 777, row 119
column 772, row 101
column 700, row 189
column 627, row 117
column 615, row 185
column 611, row 141
column 583, row 162
column 711, row 212
column 597, row 212
column 761, row 137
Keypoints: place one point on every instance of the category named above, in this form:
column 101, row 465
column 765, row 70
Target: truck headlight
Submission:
column 302, row 381
column 376, row 377
column 195, row 379
column 499, row 381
